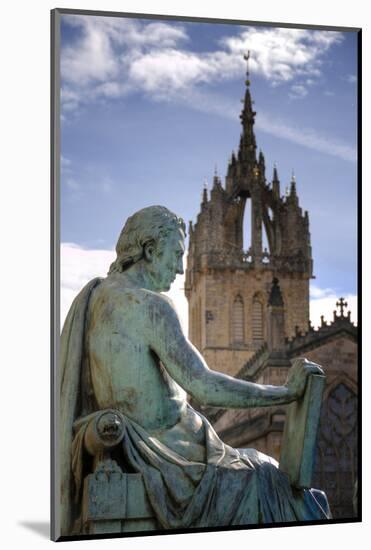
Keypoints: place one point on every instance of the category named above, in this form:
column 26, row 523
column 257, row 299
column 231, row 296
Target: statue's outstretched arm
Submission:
column 189, row 369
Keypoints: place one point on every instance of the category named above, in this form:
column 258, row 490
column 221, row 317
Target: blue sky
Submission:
column 150, row 107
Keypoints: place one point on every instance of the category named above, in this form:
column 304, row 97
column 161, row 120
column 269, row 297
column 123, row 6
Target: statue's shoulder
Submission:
column 111, row 292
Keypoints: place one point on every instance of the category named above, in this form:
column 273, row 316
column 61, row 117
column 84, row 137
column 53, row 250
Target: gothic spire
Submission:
column 247, row 116
column 275, row 174
column 293, row 184
column 204, row 193
column 216, row 178
column 293, row 197
column 275, row 181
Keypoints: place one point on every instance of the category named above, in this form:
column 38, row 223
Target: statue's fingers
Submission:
column 315, row 369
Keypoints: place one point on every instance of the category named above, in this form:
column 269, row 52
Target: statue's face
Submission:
column 168, row 260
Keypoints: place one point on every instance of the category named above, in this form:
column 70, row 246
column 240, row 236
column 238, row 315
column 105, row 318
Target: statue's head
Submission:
column 155, row 237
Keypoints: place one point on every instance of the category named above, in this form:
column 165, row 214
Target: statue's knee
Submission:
column 104, row 431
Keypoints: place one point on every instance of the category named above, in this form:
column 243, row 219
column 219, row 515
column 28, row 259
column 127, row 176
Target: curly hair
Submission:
column 149, row 225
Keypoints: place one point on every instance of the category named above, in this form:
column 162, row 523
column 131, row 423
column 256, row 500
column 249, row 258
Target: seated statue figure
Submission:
column 123, row 349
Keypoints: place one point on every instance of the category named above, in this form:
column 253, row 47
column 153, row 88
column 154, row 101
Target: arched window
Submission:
column 257, row 320
column 247, row 220
column 238, row 321
column 336, row 457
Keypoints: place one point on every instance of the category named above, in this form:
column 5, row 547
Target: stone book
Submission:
column 300, row 434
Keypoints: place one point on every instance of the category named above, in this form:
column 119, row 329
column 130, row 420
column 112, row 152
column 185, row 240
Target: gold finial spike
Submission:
column 246, row 57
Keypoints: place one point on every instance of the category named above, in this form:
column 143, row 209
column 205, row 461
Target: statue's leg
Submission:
column 256, row 457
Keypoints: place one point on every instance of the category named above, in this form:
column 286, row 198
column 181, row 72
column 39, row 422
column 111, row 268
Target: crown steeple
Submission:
column 247, row 152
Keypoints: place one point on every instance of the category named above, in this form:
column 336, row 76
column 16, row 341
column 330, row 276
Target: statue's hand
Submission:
column 298, row 376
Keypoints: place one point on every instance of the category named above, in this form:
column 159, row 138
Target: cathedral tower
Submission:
column 227, row 286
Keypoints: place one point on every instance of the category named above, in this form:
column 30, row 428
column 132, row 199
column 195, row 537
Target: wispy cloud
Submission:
column 113, row 57
column 73, row 184
column 65, row 163
column 265, row 122
column 298, row 91
column 351, row 78
column 87, row 179
column 307, row 137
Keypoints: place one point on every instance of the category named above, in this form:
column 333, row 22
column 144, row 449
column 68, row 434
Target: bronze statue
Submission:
column 126, row 370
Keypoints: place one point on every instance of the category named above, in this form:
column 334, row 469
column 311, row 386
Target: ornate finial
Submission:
column 216, row 179
column 275, row 173
column 293, row 184
column 341, row 304
column 246, row 57
column 204, row 193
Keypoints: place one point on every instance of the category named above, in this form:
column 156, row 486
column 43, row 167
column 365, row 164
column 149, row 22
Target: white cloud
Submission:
column 115, row 56
column 168, row 70
column 97, row 65
column 73, row 184
column 281, row 54
column 65, row 162
column 89, row 180
column 80, row 265
column 94, row 58
column 298, row 91
column 352, row 78
column 323, row 302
